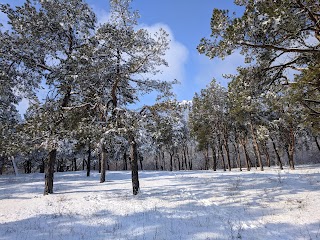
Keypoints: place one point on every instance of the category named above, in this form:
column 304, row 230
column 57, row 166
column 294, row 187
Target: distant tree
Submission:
column 209, row 123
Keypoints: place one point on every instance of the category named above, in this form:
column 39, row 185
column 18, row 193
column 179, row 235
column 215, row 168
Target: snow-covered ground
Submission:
column 172, row 205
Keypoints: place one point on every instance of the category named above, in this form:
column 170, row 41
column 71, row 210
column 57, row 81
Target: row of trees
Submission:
column 93, row 74
column 277, row 94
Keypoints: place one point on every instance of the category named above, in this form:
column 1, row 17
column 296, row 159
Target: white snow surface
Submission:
column 183, row 205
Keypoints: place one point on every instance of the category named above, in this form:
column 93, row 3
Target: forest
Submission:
column 93, row 75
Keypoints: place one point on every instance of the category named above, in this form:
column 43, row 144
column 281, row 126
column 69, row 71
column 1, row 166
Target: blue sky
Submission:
column 187, row 21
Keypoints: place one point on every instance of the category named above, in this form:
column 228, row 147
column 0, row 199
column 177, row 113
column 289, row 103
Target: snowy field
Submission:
column 172, row 205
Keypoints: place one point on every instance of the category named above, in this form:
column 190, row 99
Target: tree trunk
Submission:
column 125, row 162
column 185, row 157
column 277, row 153
column 206, row 159
column 291, row 148
column 75, row 164
column 89, row 160
column 247, row 157
column 171, row 161
column 214, row 157
column 190, row 160
column 49, row 172
column 156, row 166
column 134, row 166
column 223, row 161
column 179, row 162
column 226, row 147
column 2, row 158
column 238, row 158
column 141, row 160
column 103, row 163
column 14, row 166
column 256, row 146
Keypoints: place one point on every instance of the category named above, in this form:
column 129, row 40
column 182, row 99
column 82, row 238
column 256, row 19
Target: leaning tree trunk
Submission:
column 134, row 166
column 277, row 153
column 226, row 147
column 103, row 164
column 317, row 143
column 49, row 172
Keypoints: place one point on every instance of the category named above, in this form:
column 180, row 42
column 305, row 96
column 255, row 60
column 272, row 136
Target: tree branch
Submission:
column 278, row 48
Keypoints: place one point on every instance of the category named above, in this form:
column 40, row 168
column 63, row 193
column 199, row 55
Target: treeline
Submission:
column 93, row 75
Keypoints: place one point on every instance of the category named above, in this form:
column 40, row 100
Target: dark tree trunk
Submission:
column 256, row 147
column 226, row 147
column 141, row 160
column 179, row 163
column 75, row 164
column 134, row 166
column 125, row 162
column 277, row 153
column 2, row 158
column 42, row 166
column 49, row 172
column 214, row 157
column 108, row 164
column 27, row 166
column 156, row 162
column 171, row 161
column 89, row 160
column 103, row 164
column 185, row 157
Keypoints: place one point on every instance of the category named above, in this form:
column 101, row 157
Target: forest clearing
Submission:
column 273, row 204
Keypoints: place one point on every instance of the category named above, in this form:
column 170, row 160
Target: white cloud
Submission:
column 176, row 55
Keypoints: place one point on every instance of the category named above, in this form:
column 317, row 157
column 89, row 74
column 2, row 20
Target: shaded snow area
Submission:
column 172, row 205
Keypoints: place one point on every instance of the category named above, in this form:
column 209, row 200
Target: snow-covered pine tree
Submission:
column 278, row 36
column 46, row 38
